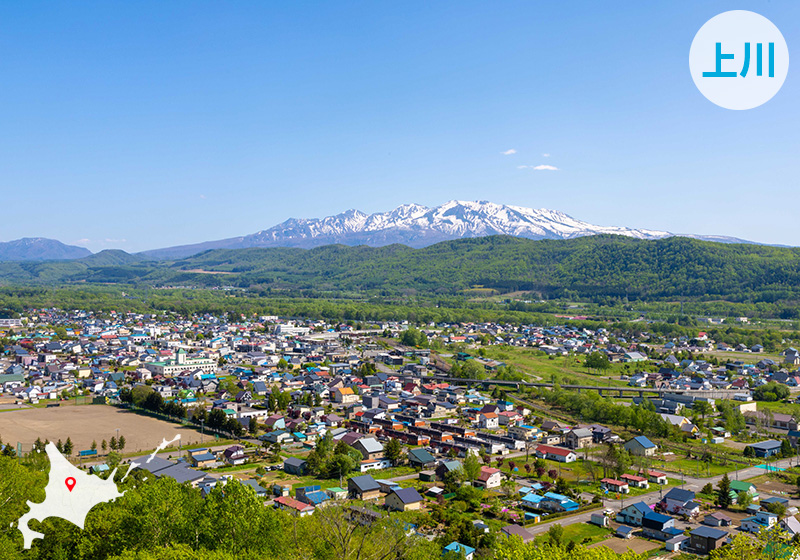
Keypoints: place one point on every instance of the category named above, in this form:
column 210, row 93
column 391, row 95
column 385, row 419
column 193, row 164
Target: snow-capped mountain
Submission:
column 416, row 226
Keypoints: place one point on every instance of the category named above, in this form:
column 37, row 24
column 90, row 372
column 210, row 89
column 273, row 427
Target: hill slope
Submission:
column 594, row 266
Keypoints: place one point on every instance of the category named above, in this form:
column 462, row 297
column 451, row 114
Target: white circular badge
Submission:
column 739, row 60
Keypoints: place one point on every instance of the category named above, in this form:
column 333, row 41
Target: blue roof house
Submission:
column 456, row 549
column 640, row 446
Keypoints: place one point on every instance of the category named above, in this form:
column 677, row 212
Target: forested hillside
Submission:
column 589, row 267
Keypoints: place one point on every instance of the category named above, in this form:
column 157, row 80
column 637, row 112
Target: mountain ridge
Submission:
column 418, row 226
column 40, row 249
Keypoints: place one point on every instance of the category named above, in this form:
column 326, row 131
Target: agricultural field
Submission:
column 85, row 424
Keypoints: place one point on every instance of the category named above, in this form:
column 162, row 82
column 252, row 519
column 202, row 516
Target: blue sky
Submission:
column 149, row 124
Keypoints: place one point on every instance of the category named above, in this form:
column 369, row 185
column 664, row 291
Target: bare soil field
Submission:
column 84, row 424
column 621, row 546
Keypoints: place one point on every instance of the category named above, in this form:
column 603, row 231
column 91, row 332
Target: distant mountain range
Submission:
column 40, row 249
column 418, row 226
column 410, row 224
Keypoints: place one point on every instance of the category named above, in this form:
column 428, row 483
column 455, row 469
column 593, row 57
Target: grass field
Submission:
column 579, row 533
column 565, row 369
column 85, row 424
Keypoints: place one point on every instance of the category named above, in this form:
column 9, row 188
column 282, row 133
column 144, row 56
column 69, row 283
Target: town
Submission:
column 562, row 434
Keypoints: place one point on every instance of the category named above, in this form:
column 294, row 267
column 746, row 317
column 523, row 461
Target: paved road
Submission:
column 691, row 483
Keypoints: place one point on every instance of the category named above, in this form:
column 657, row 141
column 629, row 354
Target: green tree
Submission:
column 393, row 450
column 702, row 408
column 94, row 446
column 724, row 492
column 744, row 499
column 68, row 447
column 555, row 534
column 471, row 467
column 113, row 443
column 413, row 337
column 121, row 443
column 104, row 446
column 473, row 370
column 598, row 361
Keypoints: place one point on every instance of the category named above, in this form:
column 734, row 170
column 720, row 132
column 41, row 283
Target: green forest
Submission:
column 588, row 267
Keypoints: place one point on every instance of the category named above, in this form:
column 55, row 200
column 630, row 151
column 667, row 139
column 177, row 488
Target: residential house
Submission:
column 523, row 432
column 555, row 454
column 633, row 514
column 656, row 477
column 717, row 519
column 791, row 525
column 517, row 531
column 458, row 550
column 344, row 395
column 705, row 539
column 489, row 478
column 488, row 421
column 260, row 491
column 640, row 446
column 635, row 480
column 420, row 458
column 446, row 467
column 370, row 448
column 761, row 520
column 680, row 502
column 766, row 448
column 312, row 495
column 275, row 422
column 738, row 486
column 659, row 527
column 558, row 502
column 294, row 507
column 404, row 499
column 234, row 455
column 578, row 438
column 611, row 485
column 363, row 487
column 202, row 459
column 295, row 466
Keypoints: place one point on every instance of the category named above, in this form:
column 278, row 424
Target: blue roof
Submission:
column 680, row 495
column 204, row 457
column 769, row 444
column 644, row 442
column 657, row 517
column 641, row 506
column 457, row 547
column 532, row 498
column 709, row 532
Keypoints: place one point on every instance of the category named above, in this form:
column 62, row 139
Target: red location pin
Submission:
column 70, row 482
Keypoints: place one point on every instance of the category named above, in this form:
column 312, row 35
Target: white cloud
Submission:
column 545, row 168
column 116, row 240
column 203, row 196
column 509, row 152
column 523, row 166
column 545, row 155
column 83, row 241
